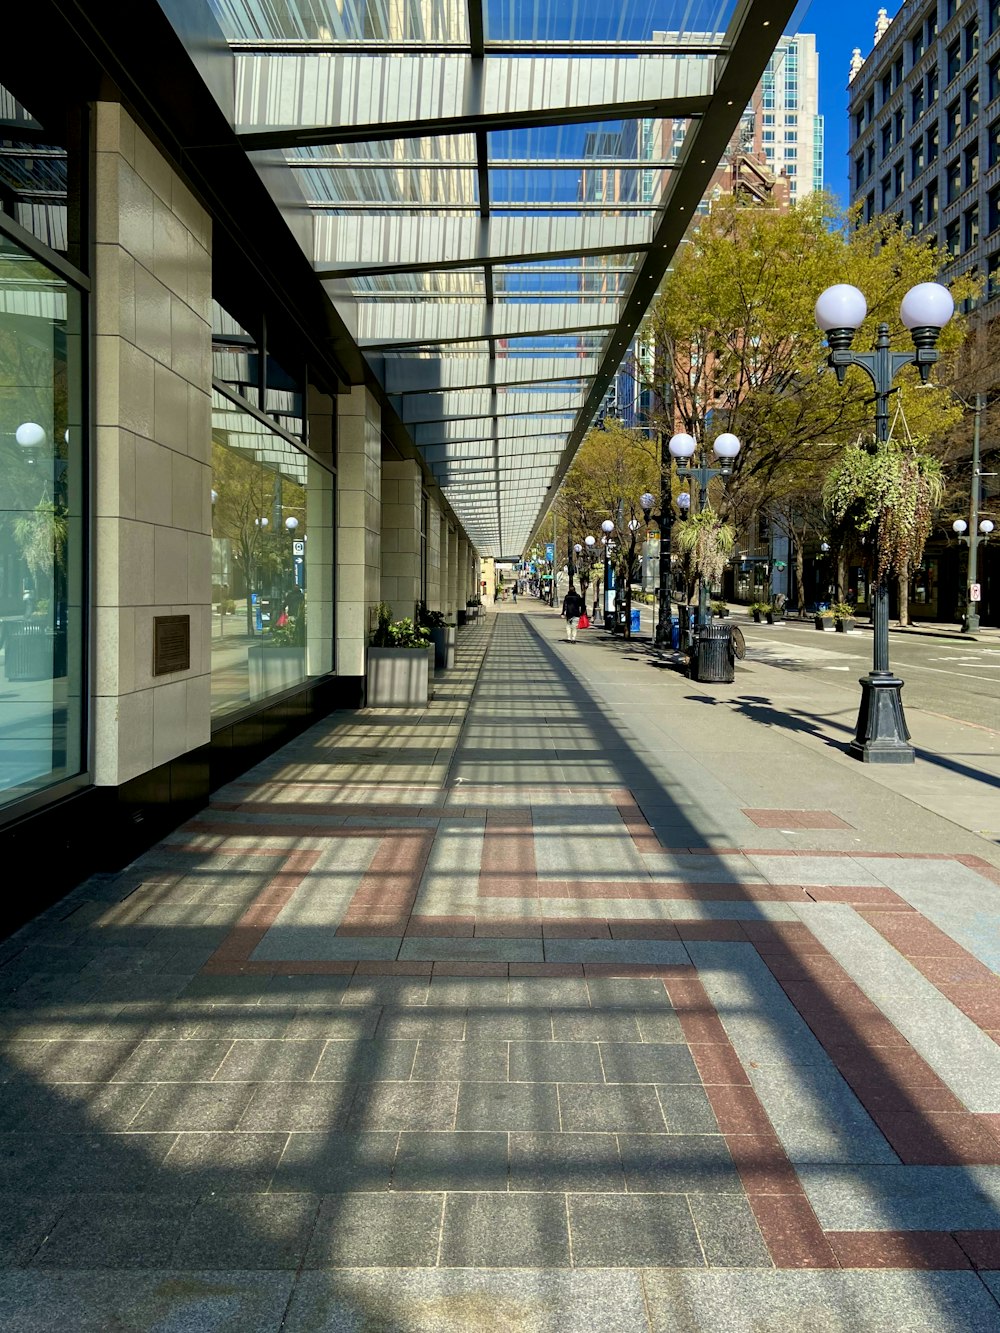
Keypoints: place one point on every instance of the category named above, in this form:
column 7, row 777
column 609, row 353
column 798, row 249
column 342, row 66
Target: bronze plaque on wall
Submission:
column 171, row 644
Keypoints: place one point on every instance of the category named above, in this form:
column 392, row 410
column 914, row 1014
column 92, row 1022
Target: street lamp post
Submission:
column 881, row 734
column 607, row 527
column 972, row 537
column 977, row 531
column 726, row 448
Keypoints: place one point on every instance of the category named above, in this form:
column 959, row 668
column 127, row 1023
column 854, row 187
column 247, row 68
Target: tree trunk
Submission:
column 904, row 594
column 800, row 574
column 841, row 574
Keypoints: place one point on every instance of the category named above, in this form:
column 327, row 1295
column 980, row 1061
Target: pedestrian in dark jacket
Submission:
column 573, row 608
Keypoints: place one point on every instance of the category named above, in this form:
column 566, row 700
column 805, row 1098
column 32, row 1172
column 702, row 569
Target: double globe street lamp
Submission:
column 682, row 447
column 881, row 735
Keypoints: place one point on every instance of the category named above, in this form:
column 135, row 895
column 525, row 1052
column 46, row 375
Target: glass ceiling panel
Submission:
column 343, row 20
column 452, row 284
column 456, row 149
column 604, row 185
column 597, row 21
column 381, row 186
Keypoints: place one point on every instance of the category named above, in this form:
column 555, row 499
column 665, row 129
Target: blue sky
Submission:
column 839, row 25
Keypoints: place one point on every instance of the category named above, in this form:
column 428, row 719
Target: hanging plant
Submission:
column 708, row 543
column 43, row 536
column 886, row 492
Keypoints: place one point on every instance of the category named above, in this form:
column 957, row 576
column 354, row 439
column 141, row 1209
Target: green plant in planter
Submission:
column 719, row 609
column 708, row 543
column 473, row 601
column 759, row 608
column 405, row 634
column 841, row 611
column 886, row 490
column 292, row 634
column 430, row 619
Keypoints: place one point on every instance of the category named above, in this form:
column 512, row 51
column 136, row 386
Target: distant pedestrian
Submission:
column 513, row 592
column 573, row 608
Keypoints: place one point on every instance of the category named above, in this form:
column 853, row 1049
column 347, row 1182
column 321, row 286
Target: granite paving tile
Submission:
column 728, row 1232
column 193, row 1106
column 25, row 1221
column 376, row 1231
column 555, row 1062
column 786, row 1302
column 115, row 1231
column 612, row 1108
column 335, row 1163
column 463, row 1160
column 628, row 1062
column 203, row 1163
column 687, row 1109
column 565, row 1162
column 678, row 1164
column 366, row 1060
column 39, row 1300
column 298, row 1106
column 508, row 1106
column 472, row 1059
column 594, row 1025
column 420, row 1022
column 455, row 1300
column 248, row 1231
column 405, row 1105
column 505, row 1230
column 610, row 1230
column 270, row 1060
column 173, row 1061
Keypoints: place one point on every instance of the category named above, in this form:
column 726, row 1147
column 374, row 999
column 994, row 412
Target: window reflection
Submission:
column 272, row 508
column 41, row 630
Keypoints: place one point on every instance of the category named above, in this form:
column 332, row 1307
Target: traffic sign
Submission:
column 298, row 548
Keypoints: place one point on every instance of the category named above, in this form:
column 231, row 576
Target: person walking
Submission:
column 573, row 608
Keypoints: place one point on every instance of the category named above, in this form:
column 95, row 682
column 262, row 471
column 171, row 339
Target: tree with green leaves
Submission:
column 737, row 347
column 613, row 468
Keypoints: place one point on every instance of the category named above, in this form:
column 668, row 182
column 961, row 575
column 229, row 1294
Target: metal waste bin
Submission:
column 675, row 632
column 713, row 657
column 636, row 620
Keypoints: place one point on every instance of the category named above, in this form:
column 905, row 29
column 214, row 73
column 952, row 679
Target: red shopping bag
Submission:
column 584, row 622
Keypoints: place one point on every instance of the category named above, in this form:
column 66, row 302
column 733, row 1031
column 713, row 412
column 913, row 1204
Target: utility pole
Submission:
column 971, row 622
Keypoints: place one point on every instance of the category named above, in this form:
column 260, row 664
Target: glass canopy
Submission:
column 496, row 188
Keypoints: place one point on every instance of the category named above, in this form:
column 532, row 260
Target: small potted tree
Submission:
column 758, row 610
column 843, row 617
column 720, row 610
column 823, row 618
column 776, row 609
column 442, row 634
column 400, row 663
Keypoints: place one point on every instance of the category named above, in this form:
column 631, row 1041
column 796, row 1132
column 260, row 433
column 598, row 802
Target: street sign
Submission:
column 975, row 593
column 298, row 548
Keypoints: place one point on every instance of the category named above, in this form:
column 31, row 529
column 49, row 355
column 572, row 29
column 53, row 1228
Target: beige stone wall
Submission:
column 359, row 524
column 453, row 572
column 319, row 548
column 402, row 496
column 435, row 602
column 152, row 311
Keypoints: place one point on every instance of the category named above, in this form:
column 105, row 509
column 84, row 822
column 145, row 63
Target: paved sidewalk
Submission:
column 585, row 998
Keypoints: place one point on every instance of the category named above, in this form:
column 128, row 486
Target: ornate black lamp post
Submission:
column 881, row 735
column 682, row 447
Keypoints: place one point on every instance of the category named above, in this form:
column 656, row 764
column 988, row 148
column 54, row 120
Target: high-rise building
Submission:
column 791, row 128
column 920, row 149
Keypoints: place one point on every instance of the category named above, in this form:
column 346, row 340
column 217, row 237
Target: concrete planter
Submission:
column 461, row 615
column 274, row 669
column 399, row 677
column 823, row 622
column 443, row 638
column 845, row 626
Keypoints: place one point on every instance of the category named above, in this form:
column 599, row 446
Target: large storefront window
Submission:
column 41, row 546
column 272, row 561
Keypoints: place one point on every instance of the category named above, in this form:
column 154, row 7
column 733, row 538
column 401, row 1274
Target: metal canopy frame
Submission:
column 491, row 209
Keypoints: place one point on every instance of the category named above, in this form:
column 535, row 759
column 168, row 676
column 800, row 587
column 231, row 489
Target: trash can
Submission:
column 636, row 620
column 713, row 657
column 675, row 632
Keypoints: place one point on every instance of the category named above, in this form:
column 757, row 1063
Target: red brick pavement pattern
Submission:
column 806, row 819
column 969, row 984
